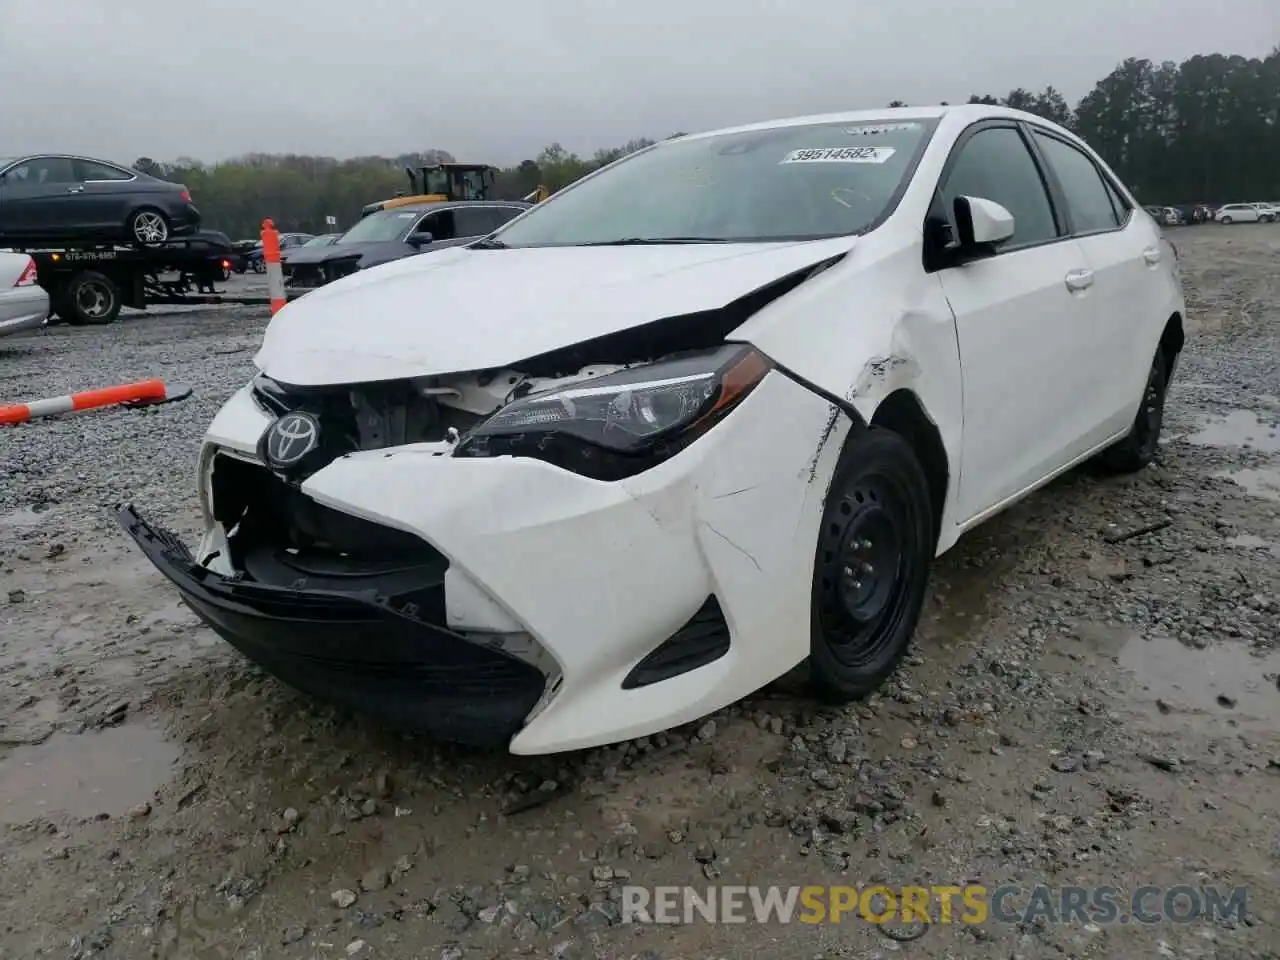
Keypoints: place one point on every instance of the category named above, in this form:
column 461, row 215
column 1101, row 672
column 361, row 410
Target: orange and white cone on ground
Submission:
column 141, row 393
column 275, row 274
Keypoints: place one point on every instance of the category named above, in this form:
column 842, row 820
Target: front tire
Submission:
column 149, row 226
column 874, row 550
column 1139, row 447
column 1226, row 221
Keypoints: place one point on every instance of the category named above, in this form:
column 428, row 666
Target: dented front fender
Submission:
column 872, row 324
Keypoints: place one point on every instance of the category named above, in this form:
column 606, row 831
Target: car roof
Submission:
column 66, row 156
column 452, row 204
column 964, row 111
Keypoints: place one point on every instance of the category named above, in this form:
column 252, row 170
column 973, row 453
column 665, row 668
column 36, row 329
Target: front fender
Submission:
column 872, row 324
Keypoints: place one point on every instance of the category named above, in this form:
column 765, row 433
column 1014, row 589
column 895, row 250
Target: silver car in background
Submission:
column 24, row 304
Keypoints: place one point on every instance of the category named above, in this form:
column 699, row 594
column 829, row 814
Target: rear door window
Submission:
column 92, row 170
column 473, row 221
column 503, row 215
column 1089, row 203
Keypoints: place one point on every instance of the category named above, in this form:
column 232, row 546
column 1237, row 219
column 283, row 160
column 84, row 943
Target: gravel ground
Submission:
column 1081, row 708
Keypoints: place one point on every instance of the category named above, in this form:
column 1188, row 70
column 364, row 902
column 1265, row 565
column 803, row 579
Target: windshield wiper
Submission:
column 488, row 243
column 653, row 241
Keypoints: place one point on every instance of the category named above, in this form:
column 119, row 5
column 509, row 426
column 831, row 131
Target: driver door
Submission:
column 1020, row 317
column 438, row 223
column 40, row 198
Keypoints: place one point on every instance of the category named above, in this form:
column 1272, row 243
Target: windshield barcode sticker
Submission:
column 839, row 155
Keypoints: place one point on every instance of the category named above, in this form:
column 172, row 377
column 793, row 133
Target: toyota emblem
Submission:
column 291, row 438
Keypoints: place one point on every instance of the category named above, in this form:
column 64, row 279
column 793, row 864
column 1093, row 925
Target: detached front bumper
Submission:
column 372, row 649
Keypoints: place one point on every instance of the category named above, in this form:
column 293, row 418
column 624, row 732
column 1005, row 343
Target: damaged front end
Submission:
column 478, row 554
column 351, row 624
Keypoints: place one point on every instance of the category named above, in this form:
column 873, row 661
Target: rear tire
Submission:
column 1139, row 447
column 148, row 226
column 90, row 299
column 874, row 550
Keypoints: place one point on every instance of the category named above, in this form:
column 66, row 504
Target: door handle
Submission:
column 75, row 189
column 1151, row 255
column 1078, row 280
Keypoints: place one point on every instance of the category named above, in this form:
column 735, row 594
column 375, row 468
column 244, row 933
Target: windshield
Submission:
column 788, row 183
column 321, row 241
column 384, row 226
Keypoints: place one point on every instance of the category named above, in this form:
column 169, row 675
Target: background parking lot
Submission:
column 1086, row 703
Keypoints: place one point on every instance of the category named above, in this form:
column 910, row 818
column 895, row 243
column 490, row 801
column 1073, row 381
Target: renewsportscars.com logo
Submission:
column 968, row 904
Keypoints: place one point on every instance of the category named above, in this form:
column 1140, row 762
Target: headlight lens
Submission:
column 620, row 424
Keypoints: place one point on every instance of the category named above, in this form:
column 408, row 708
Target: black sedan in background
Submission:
column 288, row 241
column 399, row 232
column 58, row 198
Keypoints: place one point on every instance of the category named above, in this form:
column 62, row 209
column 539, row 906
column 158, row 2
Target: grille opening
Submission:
column 367, row 416
column 279, row 536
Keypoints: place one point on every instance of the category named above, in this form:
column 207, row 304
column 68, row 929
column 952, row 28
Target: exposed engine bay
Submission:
column 374, row 416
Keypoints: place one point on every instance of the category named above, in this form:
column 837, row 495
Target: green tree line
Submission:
column 1204, row 130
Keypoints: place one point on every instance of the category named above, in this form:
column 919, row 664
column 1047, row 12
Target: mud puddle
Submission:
column 1249, row 541
column 1225, row 679
column 84, row 775
column 1261, row 482
column 25, row 518
column 1240, row 428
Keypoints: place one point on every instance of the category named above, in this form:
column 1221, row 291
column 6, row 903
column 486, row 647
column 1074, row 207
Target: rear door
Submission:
column 1131, row 279
column 108, row 194
column 474, row 221
column 504, row 215
column 38, row 197
column 1018, row 319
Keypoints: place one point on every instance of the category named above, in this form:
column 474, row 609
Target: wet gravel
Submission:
column 1093, row 700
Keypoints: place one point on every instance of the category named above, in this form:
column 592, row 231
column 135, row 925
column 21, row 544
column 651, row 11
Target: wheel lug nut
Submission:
column 857, row 584
column 868, row 568
column 848, row 571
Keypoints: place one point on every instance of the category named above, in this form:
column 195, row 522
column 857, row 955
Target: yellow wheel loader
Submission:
column 439, row 184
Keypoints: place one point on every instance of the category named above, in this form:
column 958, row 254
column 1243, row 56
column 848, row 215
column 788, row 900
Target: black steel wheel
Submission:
column 90, row 299
column 1139, row 447
column 875, row 547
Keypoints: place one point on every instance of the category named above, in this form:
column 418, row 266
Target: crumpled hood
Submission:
column 460, row 309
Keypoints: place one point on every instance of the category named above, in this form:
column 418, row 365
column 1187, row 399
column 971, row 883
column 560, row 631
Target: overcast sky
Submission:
column 496, row 80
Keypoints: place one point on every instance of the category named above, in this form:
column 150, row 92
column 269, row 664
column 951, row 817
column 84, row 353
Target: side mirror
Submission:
column 982, row 225
column 421, row 239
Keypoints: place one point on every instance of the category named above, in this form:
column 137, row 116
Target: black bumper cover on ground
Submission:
column 366, row 651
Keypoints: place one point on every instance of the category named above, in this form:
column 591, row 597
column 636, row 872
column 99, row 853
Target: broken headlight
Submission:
column 619, row 424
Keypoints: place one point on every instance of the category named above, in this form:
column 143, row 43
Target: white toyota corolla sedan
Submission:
column 706, row 414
